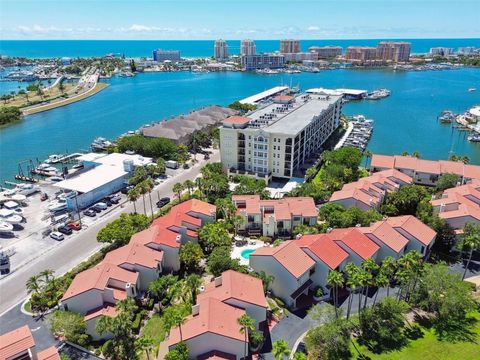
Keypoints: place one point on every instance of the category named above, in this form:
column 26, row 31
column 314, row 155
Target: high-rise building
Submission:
column 361, row 54
column 467, row 51
column 326, row 52
column 247, row 47
column 262, row 61
column 220, row 51
column 277, row 139
column 441, row 51
column 162, row 55
column 390, row 51
column 289, row 46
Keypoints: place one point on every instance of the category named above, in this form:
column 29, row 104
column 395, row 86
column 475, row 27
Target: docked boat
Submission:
column 10, row 217
column 267, row 71
column 446, row 117
column 474, row 138
column 45, row 170
column 378, row 94
column 27, row 189
column 57, row 205
column 52, row 159
column 100, row 144
column 5, row 227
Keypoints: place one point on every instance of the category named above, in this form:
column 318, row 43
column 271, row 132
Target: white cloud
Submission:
column 313, row 28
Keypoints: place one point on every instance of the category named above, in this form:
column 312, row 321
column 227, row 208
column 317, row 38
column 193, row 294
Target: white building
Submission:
column 102, row 175
column 441, row 51
column 220, row 50
column 277, row 139
column 247, row 47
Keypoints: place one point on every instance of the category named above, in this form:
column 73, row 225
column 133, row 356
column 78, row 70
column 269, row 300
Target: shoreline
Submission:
column 37, row 109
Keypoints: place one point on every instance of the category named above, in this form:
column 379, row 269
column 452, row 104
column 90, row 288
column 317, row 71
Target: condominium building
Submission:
column 326, row 52
column 467, row 51
column 274, row 217
column 441, row 51
column 300, row 56
column 393, row 51
column 277, row 139
column 262, row 61
column 361, row 54
column 220, row 50
column 19, row 344
column 288, row 46
column 161, row 55
column 247, row 47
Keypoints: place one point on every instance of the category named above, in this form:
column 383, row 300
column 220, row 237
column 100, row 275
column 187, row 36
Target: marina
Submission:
column 358, row 133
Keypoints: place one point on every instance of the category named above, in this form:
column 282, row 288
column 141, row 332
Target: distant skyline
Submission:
column 234, row 19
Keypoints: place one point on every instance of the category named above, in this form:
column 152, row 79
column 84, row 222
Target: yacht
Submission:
column 446, row 117
column 57, row 205
column 5, row 227
column 474, row 138
column 10, row 217
column 27, row 189
column 13, row 206
column 45, row 170
column 100, row 144
column 52, row 159
column 378, row 94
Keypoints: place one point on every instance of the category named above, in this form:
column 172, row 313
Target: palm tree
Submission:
column 225, row 207
column 416, row 154
column 237, row 221
column 465, row 159
column 352, row 282
column 148, row 185
column 335, row 280
column 178, row 188
column 388, row 268
column 189, row 185
column 142, row 190
column 47, row 276
column 381, row 281
column 133, row 197
column 471, row 241
column 247, row 324
column 144, row 343
column 173, row 317
column 370, row 266
column 193, row 282
column 33, row 284
column 368, row 155
column 161, row 166
column 405, row 153
column 280, row 349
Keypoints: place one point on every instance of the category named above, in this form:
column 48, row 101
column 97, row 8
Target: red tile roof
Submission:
column 105, row 310
column 322, row 246
column 214, row 317
column 426, row 166
column 414, row 227
column 49, row 354
column 135, row 254
column 159, row 235
column 235, row 285
column 98, row 277
column 355, row 240
column 196, row 206
column 236, row 120
column 384, row 232
column 15, row 342
column 289, row 255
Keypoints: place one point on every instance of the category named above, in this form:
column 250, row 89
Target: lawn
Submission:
column 154, row 329
column 429, row 347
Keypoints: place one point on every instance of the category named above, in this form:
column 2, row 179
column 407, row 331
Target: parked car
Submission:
column 101, row 206
column 126, row 189
column 115, row 198
column 55, row 235
column 162, row 202
column 90, row 213
column 74, row 225
column 65, row 230
column 107, row 201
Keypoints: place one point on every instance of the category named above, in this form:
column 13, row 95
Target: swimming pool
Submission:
column 245, row 254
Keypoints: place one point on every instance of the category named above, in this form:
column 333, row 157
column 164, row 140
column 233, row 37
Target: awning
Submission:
column 301, row 289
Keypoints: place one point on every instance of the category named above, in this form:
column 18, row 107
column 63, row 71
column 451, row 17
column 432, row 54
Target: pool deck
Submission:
column 237, row 250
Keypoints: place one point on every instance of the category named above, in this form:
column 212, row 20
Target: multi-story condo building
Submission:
column 274, row 217
column 220, row 50
column 361, row 54
column 247, row 47
column 300, row 56
column 441, row 51
column 277, row 139
column 161, row 55
column 393, row 51
column 262, row 61
column 467, row 51
column 288, row 46
column 326, row 52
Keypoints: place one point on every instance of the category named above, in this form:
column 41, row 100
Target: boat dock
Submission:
column 358, row 133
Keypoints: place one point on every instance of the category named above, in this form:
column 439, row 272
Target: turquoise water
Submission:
column 136, row 48
column 245, row 254
column 406, row 121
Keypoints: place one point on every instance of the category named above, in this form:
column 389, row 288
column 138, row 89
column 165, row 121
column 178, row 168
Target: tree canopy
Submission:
column 120, row 231
column 69, row 326
column 212, row 236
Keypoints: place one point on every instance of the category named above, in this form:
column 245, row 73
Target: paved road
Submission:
column 64, row 256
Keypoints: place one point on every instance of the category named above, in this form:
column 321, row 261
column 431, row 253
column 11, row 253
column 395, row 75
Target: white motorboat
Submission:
column 5, row 227
column 472, row 89
column 52, row 159
column 27, row 189
column 57, row 206
column 14, row 206
column 9, row 216
column 10, row 192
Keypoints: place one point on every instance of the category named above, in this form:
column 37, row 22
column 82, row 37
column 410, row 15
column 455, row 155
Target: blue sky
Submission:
column 233, row 19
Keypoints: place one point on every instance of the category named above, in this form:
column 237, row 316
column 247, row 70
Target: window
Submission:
column 422, row 251
column 312, row 271
column 296, row 218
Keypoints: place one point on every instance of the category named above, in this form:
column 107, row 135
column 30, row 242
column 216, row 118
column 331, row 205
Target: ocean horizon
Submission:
column 192, row 48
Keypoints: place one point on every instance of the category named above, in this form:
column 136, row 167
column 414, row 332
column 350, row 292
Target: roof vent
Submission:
column 178, row 238
column 358, row 225
column 329, row 230
column 218, row 281
column 195, row 309
column 298, row 236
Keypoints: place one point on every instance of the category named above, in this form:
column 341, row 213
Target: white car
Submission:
column 101, row 206
column 57, row 236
